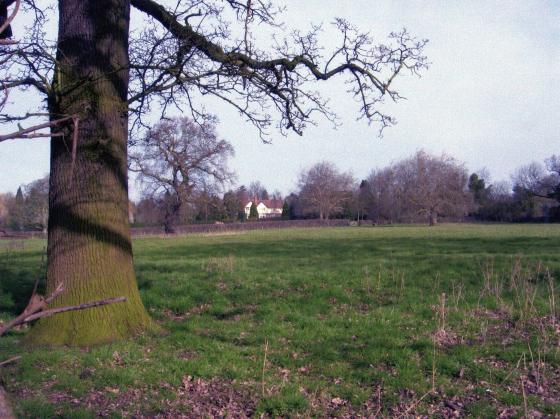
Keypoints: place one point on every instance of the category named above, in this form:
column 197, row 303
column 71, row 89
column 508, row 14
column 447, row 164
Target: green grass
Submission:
column 348, row 316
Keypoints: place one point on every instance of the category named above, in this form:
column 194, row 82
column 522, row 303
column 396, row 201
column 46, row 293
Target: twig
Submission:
column 434, row 366
column 59, row 290
column 9, row 361
column 38, row 279
column 512, row 371
column 264, row 365
column 4, row 100
column 379, row 404
column 74, row 143
column 416, row 403
column 522, row 381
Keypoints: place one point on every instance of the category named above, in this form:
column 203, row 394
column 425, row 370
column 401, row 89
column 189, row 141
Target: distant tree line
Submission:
column 422, row 188
column 27, row 209
column 534, row 194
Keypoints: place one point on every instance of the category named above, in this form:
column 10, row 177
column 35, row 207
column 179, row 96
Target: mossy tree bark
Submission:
column 89, row 246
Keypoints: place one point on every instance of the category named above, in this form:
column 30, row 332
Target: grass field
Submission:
column 450, row 320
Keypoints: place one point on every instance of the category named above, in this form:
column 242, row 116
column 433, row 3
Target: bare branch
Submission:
column 253, row 81
column 31, row 132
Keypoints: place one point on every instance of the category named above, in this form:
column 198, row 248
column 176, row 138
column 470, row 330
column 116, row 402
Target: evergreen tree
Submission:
column 253, row 213
column 17, row 211
column 285, row 210
column 232, row 205
column 478, row 188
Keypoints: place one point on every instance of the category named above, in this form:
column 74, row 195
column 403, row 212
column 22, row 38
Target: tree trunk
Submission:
column 172, row 213
column 433, row 218
column 89, row 246
column 169, row 223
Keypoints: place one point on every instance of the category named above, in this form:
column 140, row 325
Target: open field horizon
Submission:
column 457, row 319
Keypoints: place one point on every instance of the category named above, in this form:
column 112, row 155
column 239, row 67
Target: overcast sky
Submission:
column 490, row 98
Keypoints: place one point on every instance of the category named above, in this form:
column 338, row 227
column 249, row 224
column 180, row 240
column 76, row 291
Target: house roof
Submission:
column 272, row 203
column 269, row 203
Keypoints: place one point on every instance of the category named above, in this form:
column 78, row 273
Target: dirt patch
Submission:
column 171, row 315
column 5, row 407
column 499, row 326
column 529, row 377
column 196, row 397
column 447, row 338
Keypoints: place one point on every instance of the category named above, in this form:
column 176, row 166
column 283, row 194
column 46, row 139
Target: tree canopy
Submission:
column 324, row 189
column 192, row 48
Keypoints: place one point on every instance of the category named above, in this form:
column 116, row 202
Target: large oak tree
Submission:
column 324, row 189
column 100, row 80
column 433, row 186
column 178, row 160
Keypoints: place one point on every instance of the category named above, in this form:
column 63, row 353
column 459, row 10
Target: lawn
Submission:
column 399, row 320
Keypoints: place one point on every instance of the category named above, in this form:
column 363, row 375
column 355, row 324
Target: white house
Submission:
column 267, row 208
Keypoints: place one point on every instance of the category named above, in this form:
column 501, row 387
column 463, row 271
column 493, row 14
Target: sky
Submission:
column 490, row 98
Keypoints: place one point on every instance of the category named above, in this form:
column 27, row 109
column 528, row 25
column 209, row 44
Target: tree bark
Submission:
column 89, row 246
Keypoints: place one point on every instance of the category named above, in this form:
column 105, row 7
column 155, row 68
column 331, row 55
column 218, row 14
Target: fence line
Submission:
column 245, row 226
column 201, row 228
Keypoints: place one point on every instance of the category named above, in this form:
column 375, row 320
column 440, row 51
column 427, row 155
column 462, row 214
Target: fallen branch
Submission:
column 36, row 304
column 37, row 308
column 9, row 361
column 98, row 303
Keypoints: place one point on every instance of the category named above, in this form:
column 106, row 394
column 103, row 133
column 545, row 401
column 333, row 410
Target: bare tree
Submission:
column 276, row 195
column 382, row 198
column 208, row 206
column 433, row 186
column 36, row 205
column 324, row 189
column 178, row 157
column 257, row 190
column 97, row 72
column 5, row 204
column 539, row 181
column 148, row 212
